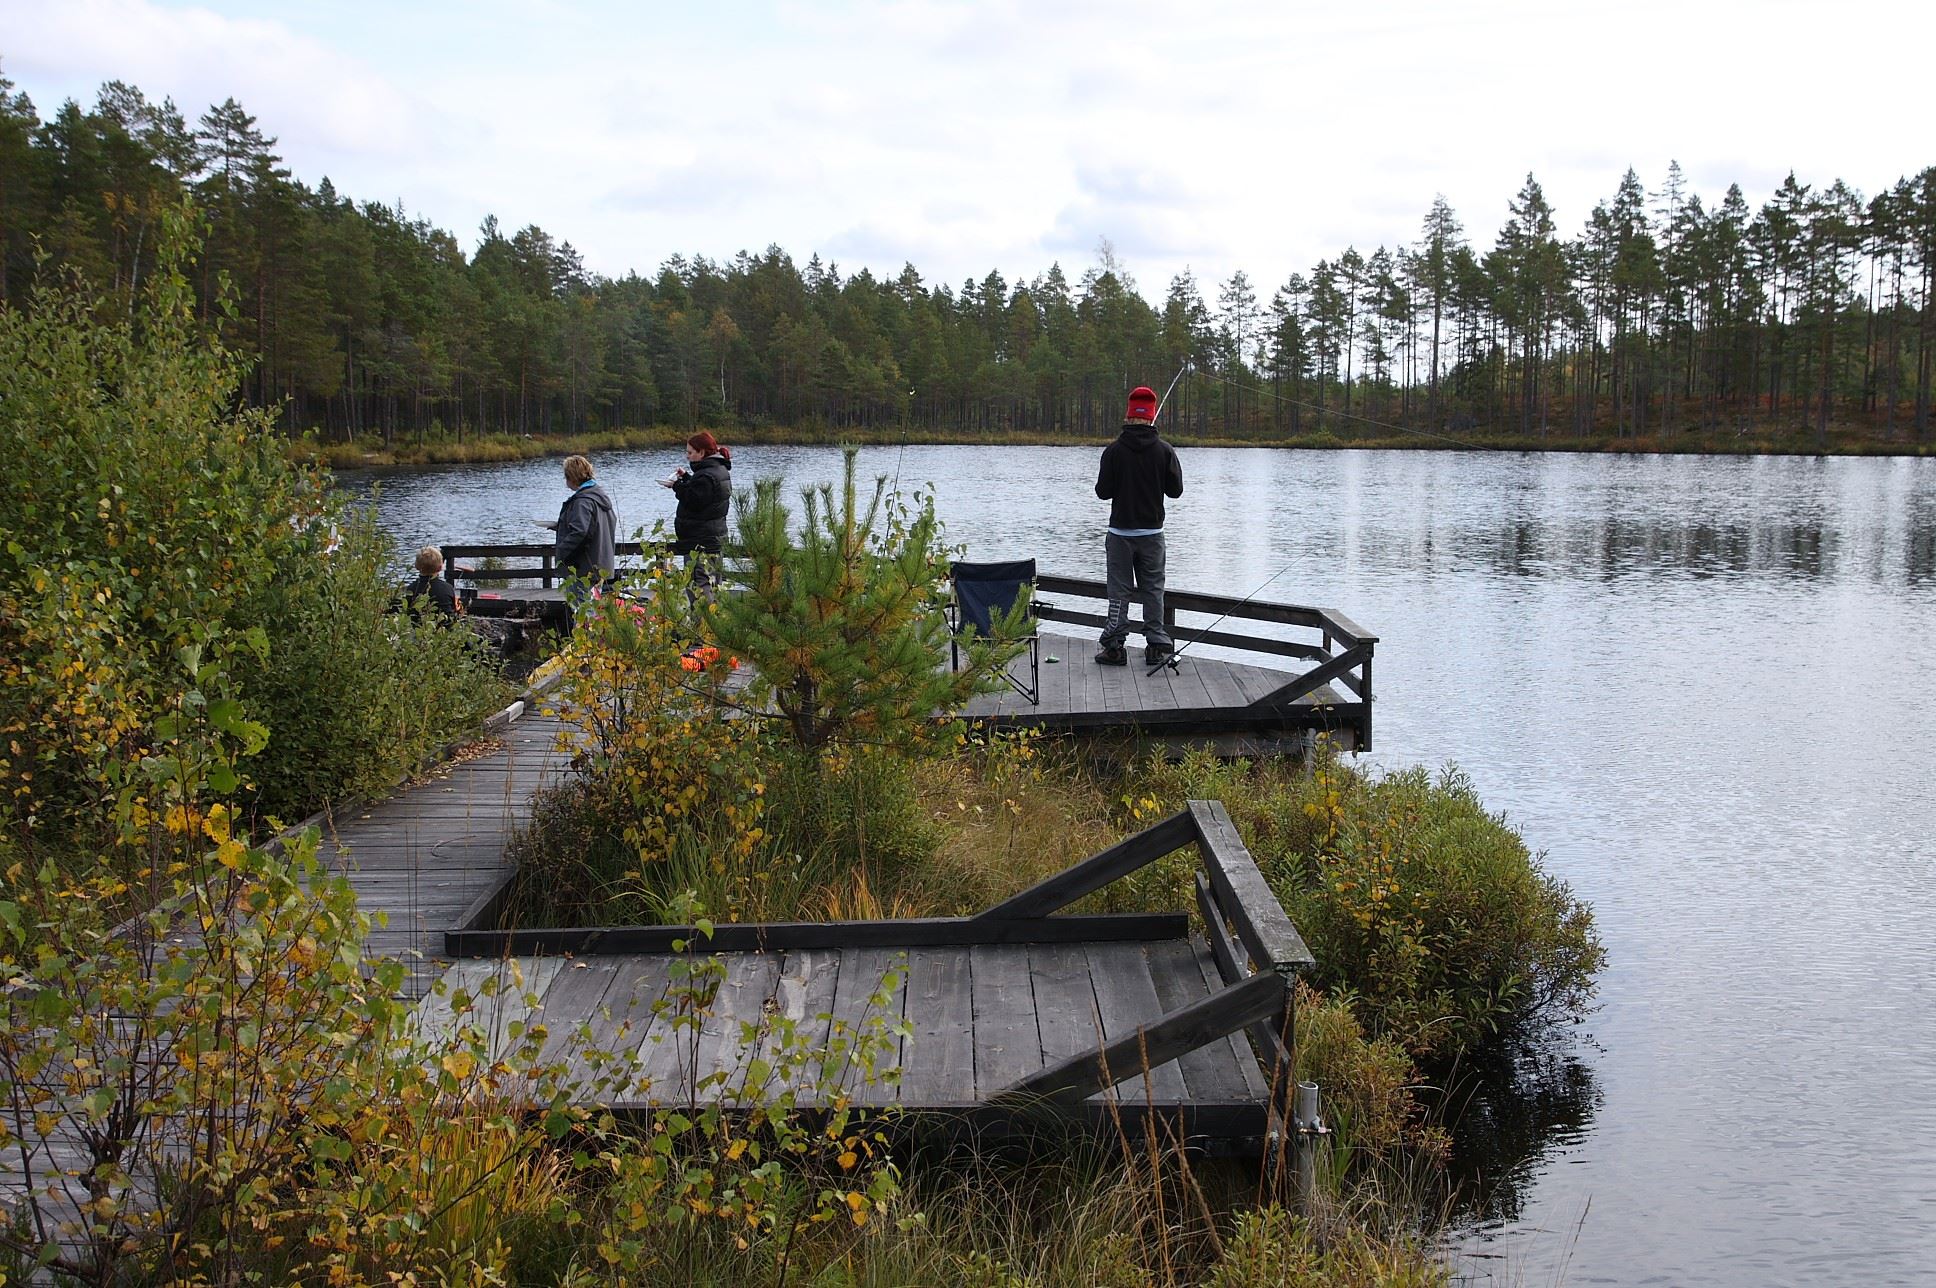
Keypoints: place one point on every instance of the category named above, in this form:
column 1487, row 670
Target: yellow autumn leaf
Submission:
column 458, row 1064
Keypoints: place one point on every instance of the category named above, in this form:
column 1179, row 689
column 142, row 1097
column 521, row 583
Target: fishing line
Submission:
column 902, row 454
column 1342, row 415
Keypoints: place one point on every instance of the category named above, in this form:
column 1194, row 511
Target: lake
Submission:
column 1701, row 686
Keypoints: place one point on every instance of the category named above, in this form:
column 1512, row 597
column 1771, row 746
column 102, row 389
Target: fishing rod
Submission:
column 1167, row 392
column 1171, row 660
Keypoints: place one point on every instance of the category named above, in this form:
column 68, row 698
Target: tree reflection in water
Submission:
column 1510, row 1112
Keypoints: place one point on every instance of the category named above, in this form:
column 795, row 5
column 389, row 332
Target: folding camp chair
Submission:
column 982, row 592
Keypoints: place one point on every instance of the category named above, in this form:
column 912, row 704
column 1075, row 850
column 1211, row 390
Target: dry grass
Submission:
column 1011, row 811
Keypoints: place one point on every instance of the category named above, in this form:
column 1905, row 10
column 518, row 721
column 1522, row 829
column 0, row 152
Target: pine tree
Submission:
column 843, row 624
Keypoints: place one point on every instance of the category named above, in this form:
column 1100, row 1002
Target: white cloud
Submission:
column 1003, row 135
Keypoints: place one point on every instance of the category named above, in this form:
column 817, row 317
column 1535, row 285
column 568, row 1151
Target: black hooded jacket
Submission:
column 704, row 495
column 1138, row 471
column 587, row 533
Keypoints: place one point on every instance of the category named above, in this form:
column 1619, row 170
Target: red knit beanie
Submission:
column 1142, row 404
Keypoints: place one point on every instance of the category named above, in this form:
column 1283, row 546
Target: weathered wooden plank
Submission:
column 1251, row 643
column 864, row 1020
column 1346, row 629
column 664, row 1061
column 1256, row 1085
column 1187, row 601
column 783, row 936
column 803, row 1001
column 1055, row 681
column 608, row 1063
column 500, row 995
column 1210, row 1072
column 1114, row 682
column 1007, row 1040
column 1154, row 692
column 1228, row 959
column 1317, row 677
column 1126, row 999
column 1066, row 1084
column 1082, row 654
column 1092, row 874
column 1245, row 897
column 1066, row 1020
column 938, row 1064
column 567, row 1008
column 732, row 1028
column 1222, row 951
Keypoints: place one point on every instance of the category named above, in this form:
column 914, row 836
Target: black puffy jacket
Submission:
column 705, row 494
column 1138, row 471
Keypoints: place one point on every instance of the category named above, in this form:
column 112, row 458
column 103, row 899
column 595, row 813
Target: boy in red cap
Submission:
column 1138, row 471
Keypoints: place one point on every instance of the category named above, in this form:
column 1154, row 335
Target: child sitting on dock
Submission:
column 430, row 587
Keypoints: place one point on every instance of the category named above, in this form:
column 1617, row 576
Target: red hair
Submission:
column 706, row 445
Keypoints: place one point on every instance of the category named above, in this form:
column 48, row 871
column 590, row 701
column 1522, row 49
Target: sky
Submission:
column 1010, row 135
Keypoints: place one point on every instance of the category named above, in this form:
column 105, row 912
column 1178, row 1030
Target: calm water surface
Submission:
column 1703, row 687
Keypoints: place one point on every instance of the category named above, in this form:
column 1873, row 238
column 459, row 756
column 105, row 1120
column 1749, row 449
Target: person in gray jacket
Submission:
column 586, row 548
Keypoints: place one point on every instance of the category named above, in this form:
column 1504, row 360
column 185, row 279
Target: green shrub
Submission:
column 843, row 620
column 144, row 511
column 357, row 695
column 1430, row 911
column 1367, row 1082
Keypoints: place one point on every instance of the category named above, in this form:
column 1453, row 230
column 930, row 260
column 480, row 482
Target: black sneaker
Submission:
column 1113, row 655
column 1159, row 655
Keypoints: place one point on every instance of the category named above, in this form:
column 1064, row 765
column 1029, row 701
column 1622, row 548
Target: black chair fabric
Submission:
column 983, row 590
column 987, row 590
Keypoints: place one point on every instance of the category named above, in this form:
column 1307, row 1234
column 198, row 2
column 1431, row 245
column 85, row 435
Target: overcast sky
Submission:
column 964, row 137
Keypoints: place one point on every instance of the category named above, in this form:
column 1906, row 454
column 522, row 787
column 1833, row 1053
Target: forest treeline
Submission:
column 1662, row 314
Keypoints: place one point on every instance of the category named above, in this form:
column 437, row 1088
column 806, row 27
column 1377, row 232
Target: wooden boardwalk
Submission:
column 981, row 1017
column 428, row 856
column 1010, row 1018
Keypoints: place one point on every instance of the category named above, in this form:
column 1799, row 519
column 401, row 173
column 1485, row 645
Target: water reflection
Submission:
column 1511, row 1113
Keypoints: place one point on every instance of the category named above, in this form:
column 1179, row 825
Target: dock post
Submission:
column 1307, row 1132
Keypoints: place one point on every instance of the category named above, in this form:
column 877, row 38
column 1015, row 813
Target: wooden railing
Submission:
column 541, row 569
column 1341, row 648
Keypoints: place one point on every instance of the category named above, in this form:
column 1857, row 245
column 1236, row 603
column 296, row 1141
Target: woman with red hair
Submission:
column 705, row 493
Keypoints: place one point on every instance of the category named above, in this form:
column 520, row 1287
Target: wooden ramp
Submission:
column 430, row 855
column 1007, row 1021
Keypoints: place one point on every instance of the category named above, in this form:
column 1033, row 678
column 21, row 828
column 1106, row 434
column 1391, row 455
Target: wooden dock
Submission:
column 1253, row 675
column 1014, row 1020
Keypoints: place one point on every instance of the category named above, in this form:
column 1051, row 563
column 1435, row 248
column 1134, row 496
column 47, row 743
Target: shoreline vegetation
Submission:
column 430, row 452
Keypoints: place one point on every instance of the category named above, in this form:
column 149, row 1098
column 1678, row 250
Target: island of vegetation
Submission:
column 1664, row 323
column 196, row 647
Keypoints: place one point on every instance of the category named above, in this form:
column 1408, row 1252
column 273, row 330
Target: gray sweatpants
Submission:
column 1135, row 567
